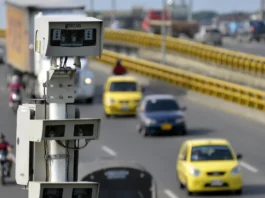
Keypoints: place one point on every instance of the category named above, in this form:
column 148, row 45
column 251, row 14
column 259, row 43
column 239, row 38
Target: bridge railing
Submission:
column 228, row 58
column 209, row 86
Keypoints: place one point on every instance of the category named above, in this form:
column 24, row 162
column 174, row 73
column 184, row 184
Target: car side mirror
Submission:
column 182, row 157
column 183, row 108
column 239, row 156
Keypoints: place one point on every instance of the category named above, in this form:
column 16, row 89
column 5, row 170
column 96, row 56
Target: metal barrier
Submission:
column 235, row 60
column 232, row 59
column 209, row 86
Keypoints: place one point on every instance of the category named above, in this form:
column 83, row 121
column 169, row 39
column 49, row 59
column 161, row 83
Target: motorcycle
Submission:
column 4, row 168
column 16, row 100
column 119, row 73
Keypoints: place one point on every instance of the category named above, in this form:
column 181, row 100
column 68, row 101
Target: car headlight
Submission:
column 195, row 172
column 14, row 96
column 179, row 120
column 149, row 121
column 236, row 170
column 111, row 101
column 88, row 81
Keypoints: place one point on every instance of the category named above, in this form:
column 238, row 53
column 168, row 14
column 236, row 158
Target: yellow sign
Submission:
column 17, row 38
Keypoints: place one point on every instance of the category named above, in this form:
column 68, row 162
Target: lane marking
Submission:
column 248, row 167
column 170, row 194
column 109, row 151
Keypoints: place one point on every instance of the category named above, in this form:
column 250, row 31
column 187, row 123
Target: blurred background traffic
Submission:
column 182, row 113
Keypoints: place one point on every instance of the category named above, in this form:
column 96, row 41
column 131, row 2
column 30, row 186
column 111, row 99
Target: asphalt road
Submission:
column 120, row 140
column 250, row 48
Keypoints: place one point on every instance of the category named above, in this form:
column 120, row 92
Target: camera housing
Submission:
column 64, row 35
column 63, row 190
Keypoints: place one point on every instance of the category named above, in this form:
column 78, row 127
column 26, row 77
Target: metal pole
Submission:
column 163, row 33
column 58, row 158
column 170, row 3
column 261, row 9
column 190, row 5
column 92, row 7
column 113, row 6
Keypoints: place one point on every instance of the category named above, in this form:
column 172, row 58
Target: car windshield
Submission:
column 161, row 105
column 211, row 152
column 258, row 24
column 213, row 31
column 123, row 86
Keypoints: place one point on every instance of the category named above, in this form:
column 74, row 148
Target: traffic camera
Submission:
column 63, row 190
column 68, row 35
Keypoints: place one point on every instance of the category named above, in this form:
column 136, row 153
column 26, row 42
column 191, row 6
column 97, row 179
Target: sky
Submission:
column 217, row 5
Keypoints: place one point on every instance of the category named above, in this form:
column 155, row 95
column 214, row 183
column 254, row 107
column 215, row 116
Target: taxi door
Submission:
column 181, row 163
column 105, row 91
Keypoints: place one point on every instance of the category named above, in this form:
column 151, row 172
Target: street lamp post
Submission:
column 92, row 7
column 113, row 15
column 163, row 33
column 262, row 5
column 190, row 4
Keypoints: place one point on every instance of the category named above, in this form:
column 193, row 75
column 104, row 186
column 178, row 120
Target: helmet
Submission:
column 15, row 79
column 118, row 61
column 2, row 136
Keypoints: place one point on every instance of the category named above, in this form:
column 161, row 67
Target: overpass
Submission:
column 206, row 117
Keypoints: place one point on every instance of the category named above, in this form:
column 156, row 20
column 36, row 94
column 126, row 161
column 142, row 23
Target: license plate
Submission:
column 125, row 108
column 216, row 183
column 166, row 127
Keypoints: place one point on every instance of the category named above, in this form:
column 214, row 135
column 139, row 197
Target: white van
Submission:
column 84, row 80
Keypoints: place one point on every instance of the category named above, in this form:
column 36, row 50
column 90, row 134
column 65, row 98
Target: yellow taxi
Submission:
column 206, row 165
column 122, row 95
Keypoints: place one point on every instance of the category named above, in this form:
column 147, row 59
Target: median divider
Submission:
column 232, row 59
column 209, row 86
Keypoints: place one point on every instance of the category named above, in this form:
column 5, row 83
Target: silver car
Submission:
column 2, row 55
column 209, row 35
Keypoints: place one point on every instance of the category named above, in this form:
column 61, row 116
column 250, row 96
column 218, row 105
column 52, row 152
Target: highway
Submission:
column 120, row 140
column 250, row 48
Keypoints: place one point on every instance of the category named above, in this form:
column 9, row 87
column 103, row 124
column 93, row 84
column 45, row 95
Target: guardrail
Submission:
column 209, row 86
column 235, row 60
column 232, row 59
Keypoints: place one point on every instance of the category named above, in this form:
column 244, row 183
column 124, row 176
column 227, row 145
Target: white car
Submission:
column 209, row 35
column 84, row 85
column 84, row 80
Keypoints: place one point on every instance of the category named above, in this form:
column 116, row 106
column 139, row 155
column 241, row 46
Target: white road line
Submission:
column 109, row 151
column 249, row 167
column 170, row 194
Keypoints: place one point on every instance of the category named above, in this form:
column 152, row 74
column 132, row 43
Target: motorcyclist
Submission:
column 6, row 150
column 119, row 69
column 15, row 86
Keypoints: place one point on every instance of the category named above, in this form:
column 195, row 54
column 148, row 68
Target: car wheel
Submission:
column 107, row 115
column 184, row 131
column 238, row 192
column 143, row 132
column 181, row 186
column 89, row 100
column 189, row 193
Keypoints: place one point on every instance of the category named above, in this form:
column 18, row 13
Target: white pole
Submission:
column 92, row 7
column 113, row 7
column 261, row 9
column 190, row 5
column 163, row 33
column 58, row 166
